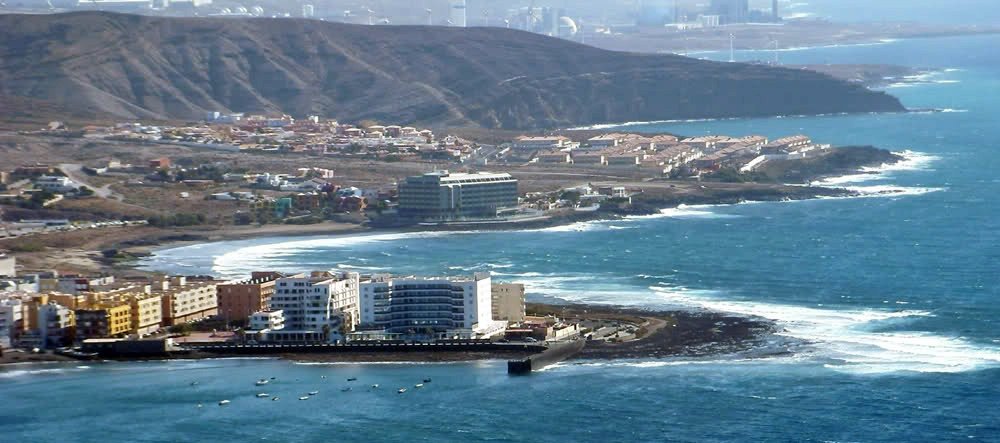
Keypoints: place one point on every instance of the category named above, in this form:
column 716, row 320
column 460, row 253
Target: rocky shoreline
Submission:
column 661, row 334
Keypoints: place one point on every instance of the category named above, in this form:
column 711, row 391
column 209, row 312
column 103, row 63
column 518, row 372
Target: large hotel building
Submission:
column 319, row 307
column 453, row 307
column 443, row 196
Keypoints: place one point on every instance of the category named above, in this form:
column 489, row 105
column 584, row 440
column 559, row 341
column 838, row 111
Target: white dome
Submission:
column 568, row 24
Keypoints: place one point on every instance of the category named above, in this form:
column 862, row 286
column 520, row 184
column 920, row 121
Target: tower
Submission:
column 458, row 13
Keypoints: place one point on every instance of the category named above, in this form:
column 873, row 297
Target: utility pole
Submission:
column 732, row 48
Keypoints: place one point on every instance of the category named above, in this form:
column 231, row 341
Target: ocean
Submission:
column 887, row 304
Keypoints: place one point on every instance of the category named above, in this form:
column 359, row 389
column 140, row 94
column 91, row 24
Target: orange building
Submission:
column 238, row 300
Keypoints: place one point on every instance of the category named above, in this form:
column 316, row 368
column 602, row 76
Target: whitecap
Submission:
column 849, row 339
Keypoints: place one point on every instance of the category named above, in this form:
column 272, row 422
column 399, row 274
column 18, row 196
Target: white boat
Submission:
column 401, row 390
column 223, row 402
column 262, row 382
column 303, row 398
column 313, row 392
column 262, row 395
column 375, row 386
column 347, row 389
column 275, row 399
column 418, row 385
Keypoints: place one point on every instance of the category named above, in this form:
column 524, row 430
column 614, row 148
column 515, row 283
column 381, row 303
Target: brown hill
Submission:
column 177, row 68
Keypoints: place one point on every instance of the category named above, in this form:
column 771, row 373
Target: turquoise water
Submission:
column 888, row 305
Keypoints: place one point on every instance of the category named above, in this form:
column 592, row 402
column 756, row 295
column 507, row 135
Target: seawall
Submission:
column 554, row 354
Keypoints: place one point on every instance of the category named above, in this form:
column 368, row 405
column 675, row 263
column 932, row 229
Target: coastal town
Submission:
column 254, row 171
column 85, row 317
column 283, row 170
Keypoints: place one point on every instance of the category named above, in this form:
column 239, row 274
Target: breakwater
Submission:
column 379, row 347
column 553, row 354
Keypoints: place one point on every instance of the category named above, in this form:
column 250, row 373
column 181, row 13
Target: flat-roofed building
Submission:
column 267, row 320
column 319, row 308
column 432, row 307
column 11, row 321
column 508, row 302
column 239, row 299
column 8, row 266
column 147, row 313
column 185, row 302
column 105, row 319
column 56, row 324
column 445, row 196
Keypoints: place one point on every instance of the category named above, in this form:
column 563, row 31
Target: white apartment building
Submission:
column 315, row 308
column 438, row 306
column 56, row 184
column 8, row 266
column 53, row 322
column 11, row 320
column 267, row 320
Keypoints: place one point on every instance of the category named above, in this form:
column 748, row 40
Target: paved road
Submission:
column 75, row 173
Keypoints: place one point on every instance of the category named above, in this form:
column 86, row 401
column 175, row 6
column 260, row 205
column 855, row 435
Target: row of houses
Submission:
column 80, row 311
column 661, row 153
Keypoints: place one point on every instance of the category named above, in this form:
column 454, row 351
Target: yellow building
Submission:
column 106, row 318
column 147, row 313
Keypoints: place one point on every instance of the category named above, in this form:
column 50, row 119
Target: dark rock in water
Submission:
column 839, row 161
column 129, row 66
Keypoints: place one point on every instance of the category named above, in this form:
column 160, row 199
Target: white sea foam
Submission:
column 274, row 255
column 685, row 211
column 850, row 338
column 912, row 161
column 890, row 191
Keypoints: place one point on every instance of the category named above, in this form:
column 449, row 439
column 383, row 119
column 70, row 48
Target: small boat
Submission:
column 352, row 379
column 303, row 398
column 375, row 386
column 223, row 402
column 262, row 395
column 401, row 390
column 427, row 380
column 347, row 389
column 322, row 376
column 274, row 378
column 313, row 392
column 199, row 405
column 275, row 398
column 194, row 383
column 418, row 385
column 262, row 382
